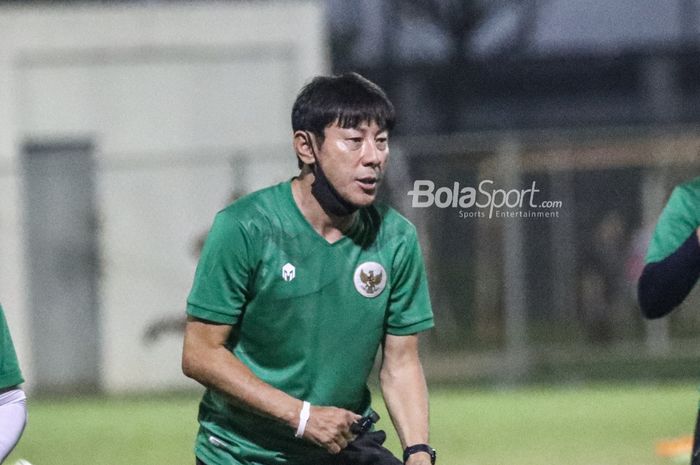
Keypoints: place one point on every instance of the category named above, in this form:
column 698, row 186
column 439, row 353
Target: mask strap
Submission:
column 327, row 196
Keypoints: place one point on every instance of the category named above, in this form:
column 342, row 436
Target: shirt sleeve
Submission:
column 664, row 285
column 10, row 374
column 221, row 283
column 410, row 311
column 677, row 221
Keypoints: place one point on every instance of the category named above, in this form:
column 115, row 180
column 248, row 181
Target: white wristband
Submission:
column 303, row 419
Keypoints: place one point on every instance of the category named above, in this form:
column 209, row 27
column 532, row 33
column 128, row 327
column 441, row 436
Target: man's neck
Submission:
column 328, row 226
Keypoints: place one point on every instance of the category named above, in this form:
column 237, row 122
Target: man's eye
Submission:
column 382, row 143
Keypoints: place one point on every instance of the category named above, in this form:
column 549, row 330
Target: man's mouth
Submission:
column 368, row 182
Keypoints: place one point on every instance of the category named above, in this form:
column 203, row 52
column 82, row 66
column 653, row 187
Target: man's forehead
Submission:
column 363, row 126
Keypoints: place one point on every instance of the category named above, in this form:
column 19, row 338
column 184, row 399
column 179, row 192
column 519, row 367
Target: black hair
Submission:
column 348, row 99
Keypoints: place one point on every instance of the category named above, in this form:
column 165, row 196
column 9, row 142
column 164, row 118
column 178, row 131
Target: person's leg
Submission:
column 13, row 418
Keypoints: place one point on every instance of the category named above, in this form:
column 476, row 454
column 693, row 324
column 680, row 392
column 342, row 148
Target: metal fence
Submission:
column 534, row 242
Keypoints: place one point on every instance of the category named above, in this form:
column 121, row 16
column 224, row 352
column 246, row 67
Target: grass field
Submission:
column 595, row 425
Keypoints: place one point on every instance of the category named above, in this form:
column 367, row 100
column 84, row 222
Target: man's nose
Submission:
column 370, row 153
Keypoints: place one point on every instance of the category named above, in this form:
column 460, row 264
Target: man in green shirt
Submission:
column 298, row 286
column 672, row 263
column 13, row 411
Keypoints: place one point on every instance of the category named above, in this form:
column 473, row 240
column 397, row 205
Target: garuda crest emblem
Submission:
column 370, row 279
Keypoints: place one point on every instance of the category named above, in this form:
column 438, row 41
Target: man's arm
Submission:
column 663, row 285
column 206, row 359
column 406, row 393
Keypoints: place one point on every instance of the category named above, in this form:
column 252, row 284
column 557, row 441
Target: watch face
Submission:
column 433, row 455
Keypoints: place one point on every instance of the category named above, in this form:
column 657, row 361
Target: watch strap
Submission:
column 410, row 450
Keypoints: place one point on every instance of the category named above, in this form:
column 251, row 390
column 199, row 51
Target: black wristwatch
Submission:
column 410, row 450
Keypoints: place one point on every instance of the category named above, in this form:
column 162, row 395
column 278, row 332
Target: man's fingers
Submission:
column 342, row 442
column 330, row 427
column 349, row 436
column 334, row 448
column 338, row 443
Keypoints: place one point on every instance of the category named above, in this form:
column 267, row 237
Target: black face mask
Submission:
column 324, row 192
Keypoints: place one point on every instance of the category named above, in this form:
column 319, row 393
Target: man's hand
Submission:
column 329, row 427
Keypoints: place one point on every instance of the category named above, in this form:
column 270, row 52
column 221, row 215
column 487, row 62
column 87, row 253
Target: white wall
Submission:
column 170, row 95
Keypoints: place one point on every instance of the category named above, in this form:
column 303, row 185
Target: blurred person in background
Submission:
column 672, row 263
column 297, row 288
column 13, row 407
column 602, row 282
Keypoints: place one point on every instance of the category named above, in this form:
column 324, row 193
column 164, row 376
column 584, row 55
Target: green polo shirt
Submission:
column 308, row 317
column 10, row 374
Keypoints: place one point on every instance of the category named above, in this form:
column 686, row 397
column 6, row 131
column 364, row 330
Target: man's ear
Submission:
column 304, row 147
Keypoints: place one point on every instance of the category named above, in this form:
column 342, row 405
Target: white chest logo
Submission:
column 370, row 279
column 289, row 272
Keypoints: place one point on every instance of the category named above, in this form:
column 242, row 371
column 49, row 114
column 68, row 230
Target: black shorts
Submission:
column 367, row 449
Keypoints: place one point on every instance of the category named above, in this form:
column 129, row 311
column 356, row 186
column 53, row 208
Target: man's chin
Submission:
column 364, row 200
